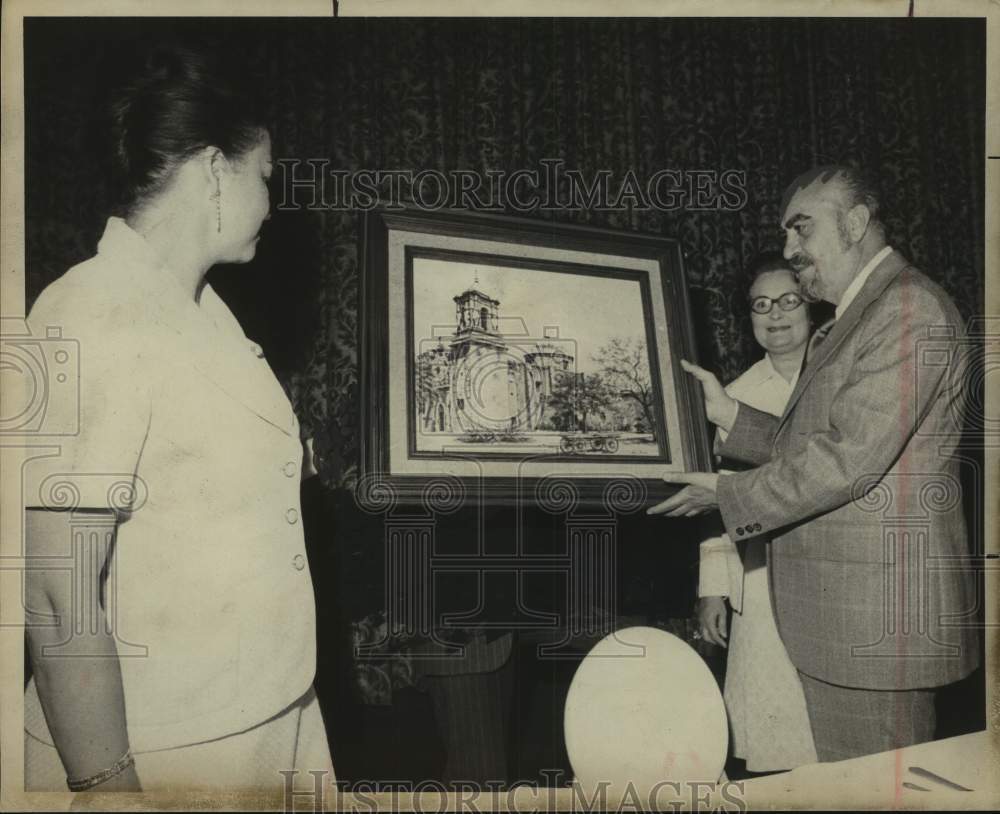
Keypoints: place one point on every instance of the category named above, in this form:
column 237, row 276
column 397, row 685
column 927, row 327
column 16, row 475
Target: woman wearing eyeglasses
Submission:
column 763, row 695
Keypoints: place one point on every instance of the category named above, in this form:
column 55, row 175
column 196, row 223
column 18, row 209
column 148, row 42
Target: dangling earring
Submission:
column 217, row 197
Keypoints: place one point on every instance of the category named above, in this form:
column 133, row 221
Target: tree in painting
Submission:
column 578, row 399
column 624, row 365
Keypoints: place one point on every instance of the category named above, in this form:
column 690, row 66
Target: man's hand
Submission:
column 694, row 499
column 720, row 408
column 711, row 612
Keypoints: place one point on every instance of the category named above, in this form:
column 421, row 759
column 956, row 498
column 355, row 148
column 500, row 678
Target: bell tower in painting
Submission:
column 477, row 320
column 480, row 380
column 483, row 387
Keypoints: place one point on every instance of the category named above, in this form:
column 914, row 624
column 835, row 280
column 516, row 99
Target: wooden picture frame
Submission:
column 506, row 359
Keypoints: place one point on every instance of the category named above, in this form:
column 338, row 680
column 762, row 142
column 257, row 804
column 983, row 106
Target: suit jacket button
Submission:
column 739, row 530
column 756, row 527
column 292, row 516
column 291, row 469
column 299, row 562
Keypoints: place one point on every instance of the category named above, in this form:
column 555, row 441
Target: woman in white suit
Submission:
column 763, row 694
column 181, row 653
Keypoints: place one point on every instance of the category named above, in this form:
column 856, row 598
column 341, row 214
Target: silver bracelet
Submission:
column 116, row 768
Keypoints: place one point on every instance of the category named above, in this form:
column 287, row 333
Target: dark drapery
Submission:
column 767, row 97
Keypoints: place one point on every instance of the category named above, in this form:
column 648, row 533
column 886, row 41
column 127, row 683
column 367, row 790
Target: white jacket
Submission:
column 209, row 591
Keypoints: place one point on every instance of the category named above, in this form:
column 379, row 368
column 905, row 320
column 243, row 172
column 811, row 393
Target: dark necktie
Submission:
column 817, row 338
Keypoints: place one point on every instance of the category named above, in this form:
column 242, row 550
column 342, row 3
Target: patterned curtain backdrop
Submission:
column 767, row 97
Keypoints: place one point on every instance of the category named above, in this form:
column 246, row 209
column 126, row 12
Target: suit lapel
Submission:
column 238, row 372
column 223, row 355
column 207, row 335
column 884, row 273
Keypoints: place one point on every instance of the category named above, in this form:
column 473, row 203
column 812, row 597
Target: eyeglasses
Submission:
column 788, row 301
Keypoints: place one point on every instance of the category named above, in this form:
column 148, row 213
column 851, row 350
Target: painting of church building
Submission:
column 480, row 381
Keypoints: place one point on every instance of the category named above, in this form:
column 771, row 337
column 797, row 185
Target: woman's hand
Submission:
column 711, row 612
column 309, row 469
column 720, row 407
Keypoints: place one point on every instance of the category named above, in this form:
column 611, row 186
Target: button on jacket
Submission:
column 859, row 484
column 208, row 589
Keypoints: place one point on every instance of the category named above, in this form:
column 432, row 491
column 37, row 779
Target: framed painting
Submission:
column 507, row 359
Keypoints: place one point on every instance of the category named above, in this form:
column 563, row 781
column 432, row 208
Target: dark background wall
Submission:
column 769, row 97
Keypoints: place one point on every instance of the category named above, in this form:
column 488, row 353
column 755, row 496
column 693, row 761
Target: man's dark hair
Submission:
column 859, row 185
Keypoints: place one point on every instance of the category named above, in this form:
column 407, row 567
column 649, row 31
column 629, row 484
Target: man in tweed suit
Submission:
column 857, row 484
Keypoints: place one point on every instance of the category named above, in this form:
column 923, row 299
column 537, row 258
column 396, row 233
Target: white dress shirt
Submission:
column 855, row 286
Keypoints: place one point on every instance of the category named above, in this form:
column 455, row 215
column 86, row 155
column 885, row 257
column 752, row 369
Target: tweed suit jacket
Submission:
column 857, row 483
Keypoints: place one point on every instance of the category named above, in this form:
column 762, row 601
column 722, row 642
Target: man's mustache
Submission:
column 800, row 262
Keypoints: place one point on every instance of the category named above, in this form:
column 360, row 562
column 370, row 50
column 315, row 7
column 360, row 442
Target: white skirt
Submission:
column 763, row 693
column 295, row 738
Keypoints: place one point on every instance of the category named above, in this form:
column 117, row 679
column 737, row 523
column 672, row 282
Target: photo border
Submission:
column 814, row 792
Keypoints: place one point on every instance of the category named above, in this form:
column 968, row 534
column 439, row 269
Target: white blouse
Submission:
column 720, row 570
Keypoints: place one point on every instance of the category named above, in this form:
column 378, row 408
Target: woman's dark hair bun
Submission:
column 179, row 101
